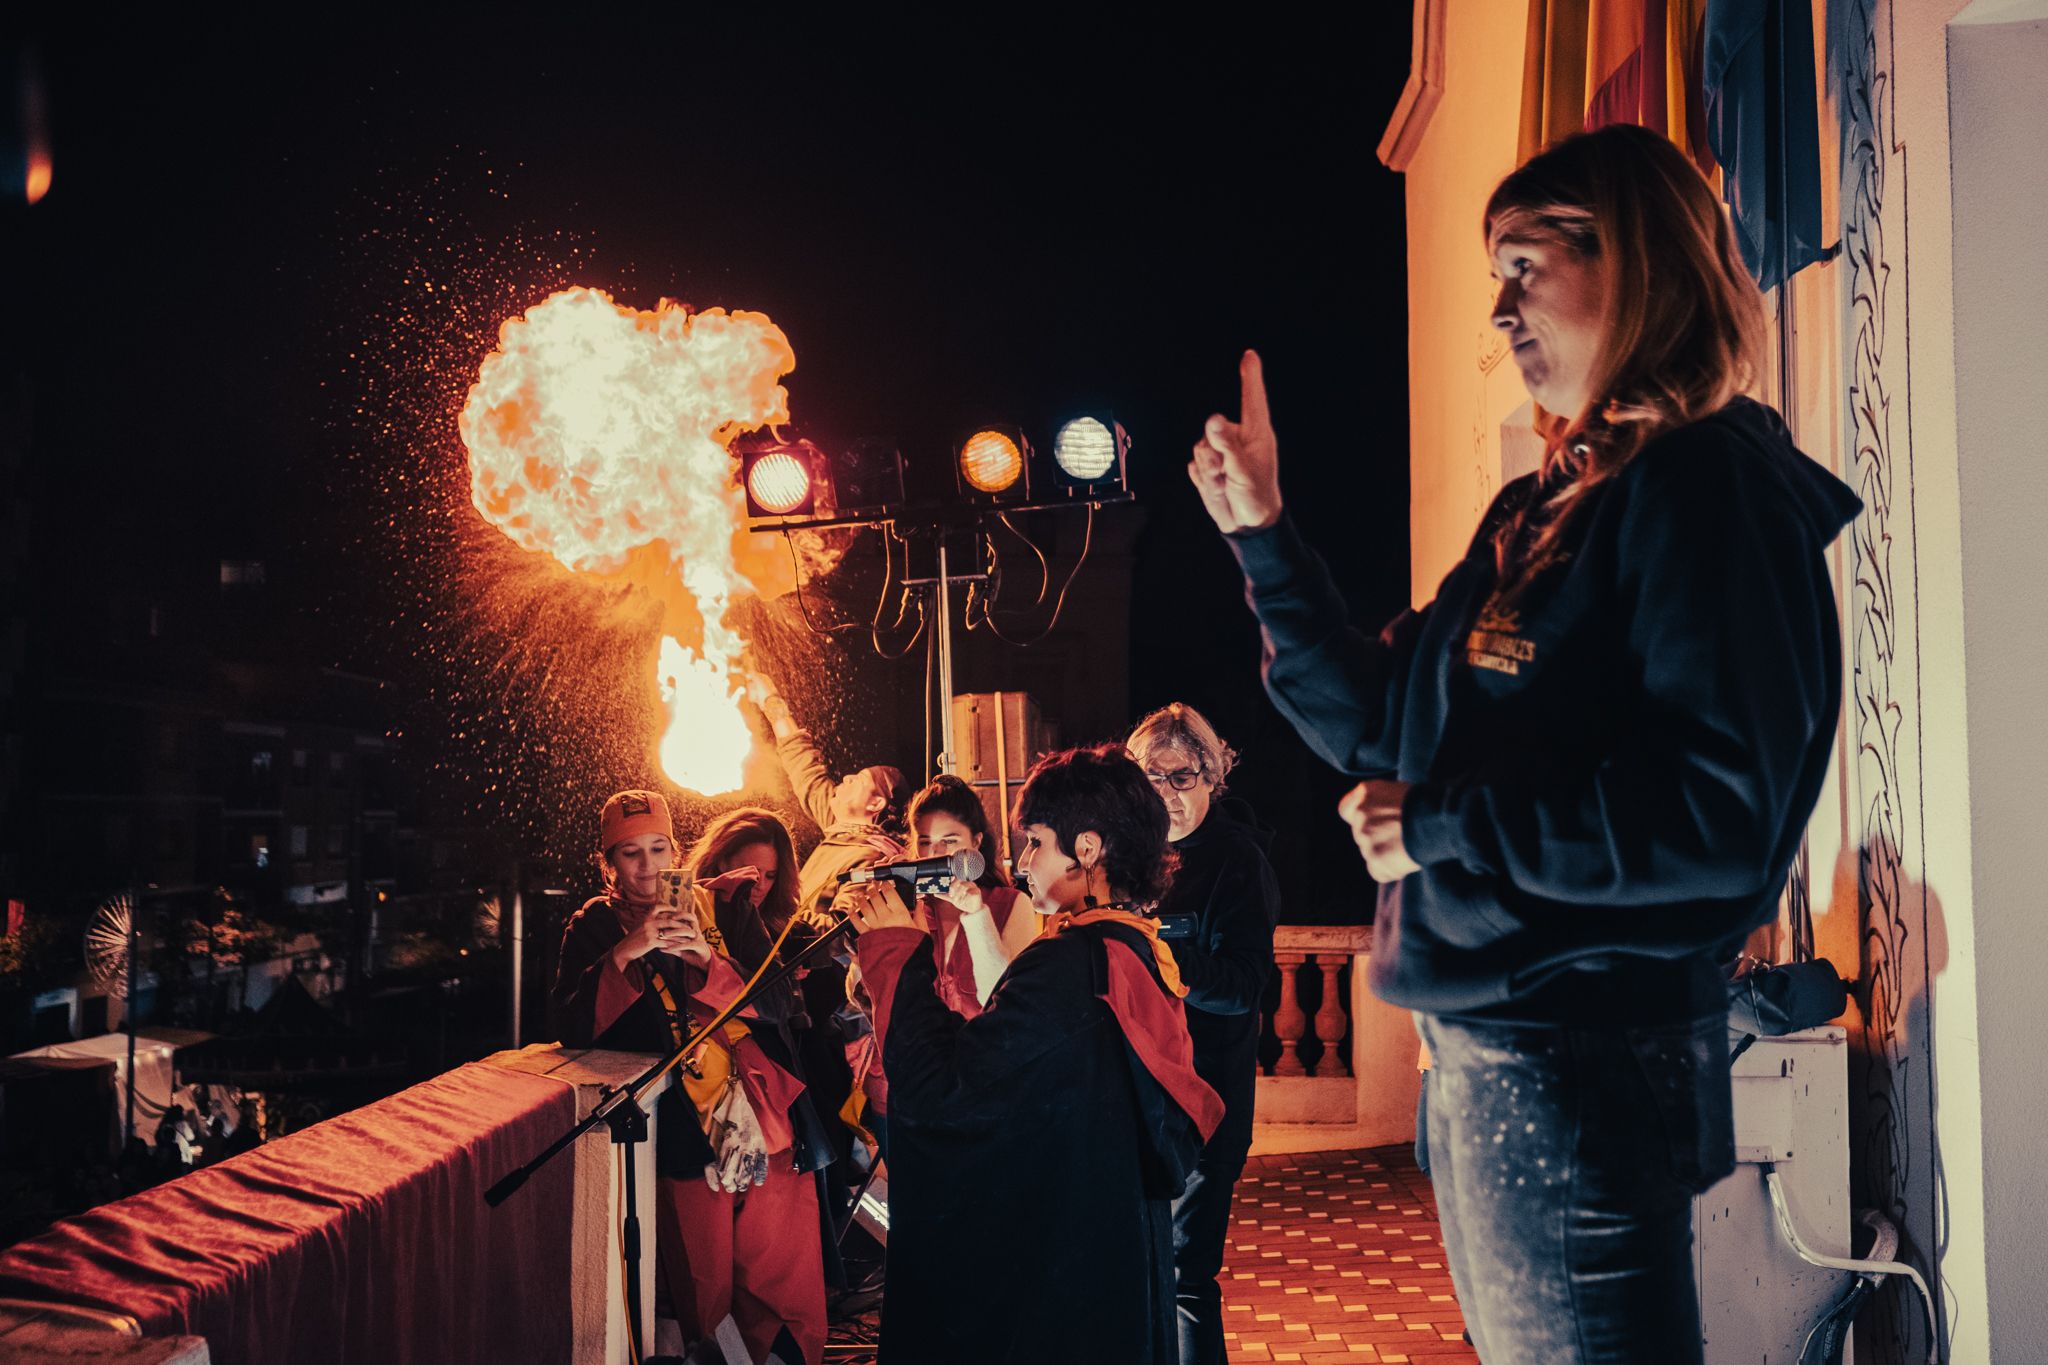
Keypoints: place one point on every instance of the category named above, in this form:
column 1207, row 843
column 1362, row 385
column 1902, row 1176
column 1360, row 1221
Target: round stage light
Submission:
column 1085, row 450
column 991, row 462
column 779, row 483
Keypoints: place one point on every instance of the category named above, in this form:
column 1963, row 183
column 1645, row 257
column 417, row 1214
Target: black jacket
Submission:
column 1033, row 1162
column 1225, row 883
column 1611, row 779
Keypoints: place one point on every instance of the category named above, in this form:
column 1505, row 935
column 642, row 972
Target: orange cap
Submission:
column 629, row 814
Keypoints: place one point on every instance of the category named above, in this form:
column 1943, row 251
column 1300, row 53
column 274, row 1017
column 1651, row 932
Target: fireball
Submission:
column 597, row 434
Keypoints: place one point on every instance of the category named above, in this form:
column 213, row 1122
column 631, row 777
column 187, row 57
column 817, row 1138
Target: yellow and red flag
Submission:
column 1589, row 63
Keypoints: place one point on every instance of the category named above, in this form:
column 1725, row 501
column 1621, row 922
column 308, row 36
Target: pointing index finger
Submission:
column 1251, row 381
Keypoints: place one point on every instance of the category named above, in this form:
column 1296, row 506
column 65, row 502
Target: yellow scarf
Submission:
column 1169, row 970
column 712, row 1063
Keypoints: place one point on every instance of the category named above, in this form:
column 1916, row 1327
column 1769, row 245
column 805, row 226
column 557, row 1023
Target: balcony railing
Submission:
column 1323, row 1095
column 365, row 1237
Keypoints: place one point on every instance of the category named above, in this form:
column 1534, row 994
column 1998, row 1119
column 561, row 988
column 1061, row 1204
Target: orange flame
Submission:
column 597, row 433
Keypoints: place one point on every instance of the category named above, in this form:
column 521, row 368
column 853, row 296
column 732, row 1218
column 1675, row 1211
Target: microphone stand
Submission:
column 618, row 1107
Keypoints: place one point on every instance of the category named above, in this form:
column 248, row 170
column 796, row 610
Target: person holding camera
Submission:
column 737, row 1138
column 1218, row 917
column 977, row 927
column 1054, row 1128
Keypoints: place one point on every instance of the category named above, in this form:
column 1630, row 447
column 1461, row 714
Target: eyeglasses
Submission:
column 1180, row 779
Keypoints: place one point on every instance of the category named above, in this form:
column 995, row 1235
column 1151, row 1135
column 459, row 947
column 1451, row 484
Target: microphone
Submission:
column 927, row 876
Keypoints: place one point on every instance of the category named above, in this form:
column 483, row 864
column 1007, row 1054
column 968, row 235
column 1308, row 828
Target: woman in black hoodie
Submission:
column 1589, row 760
column 1219, row 914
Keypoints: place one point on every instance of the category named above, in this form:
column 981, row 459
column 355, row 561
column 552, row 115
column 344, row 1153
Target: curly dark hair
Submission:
column 1103, row 790
column 949, row 795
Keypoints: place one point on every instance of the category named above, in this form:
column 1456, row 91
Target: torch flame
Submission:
column 597, row 433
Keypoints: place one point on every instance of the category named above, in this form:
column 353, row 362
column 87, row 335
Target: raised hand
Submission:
column 746, row 874
column 1236, row 467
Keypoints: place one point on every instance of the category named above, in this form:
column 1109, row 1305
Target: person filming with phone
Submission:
column 737, row 1141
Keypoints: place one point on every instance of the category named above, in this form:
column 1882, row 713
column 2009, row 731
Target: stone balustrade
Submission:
column 1363, row 1096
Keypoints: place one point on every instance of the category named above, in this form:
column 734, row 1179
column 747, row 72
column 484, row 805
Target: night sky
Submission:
column 267, row 269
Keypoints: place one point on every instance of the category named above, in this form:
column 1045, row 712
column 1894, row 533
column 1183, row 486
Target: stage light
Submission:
column 781, row 477
column 992, row 464
column 1088, row 455
column 780, row 483
column 867, row 477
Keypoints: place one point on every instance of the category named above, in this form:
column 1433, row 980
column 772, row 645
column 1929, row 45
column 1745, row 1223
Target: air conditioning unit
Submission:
column 1758, row 1297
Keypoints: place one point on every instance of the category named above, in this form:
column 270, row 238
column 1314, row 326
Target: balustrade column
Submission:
column 1330, row 1017
column 1289, row 1023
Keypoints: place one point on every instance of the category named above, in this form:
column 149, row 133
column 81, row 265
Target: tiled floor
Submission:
column 1336, row 1256
column 1333, row 1256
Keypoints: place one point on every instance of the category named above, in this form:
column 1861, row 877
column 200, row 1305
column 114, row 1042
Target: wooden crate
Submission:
column 999, row 735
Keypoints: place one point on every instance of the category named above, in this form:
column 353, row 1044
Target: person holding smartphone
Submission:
column 737, row 1138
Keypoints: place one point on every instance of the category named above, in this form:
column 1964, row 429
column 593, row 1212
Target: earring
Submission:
column 1088, row 897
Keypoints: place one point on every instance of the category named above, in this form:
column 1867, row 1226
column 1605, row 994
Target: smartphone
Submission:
column 672, row 889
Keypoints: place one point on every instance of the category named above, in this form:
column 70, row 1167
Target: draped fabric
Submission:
column 364, row 1238
column 1731, row 82
column 1589, row 63
column 1763, row 123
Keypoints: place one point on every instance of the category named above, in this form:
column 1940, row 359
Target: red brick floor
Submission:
column 1333, row 1256
column 1336, row 1256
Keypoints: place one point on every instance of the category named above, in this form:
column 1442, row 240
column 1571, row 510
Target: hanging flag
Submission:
column 1763, row 125
column 1589, row 63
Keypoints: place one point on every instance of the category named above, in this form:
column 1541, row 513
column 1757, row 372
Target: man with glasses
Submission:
column 1219, row 916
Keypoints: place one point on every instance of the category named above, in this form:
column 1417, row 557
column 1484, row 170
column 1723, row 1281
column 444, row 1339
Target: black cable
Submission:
column 1059, row 603
column 803, row 606
column 902, row 603
column 873, row 625
column 888, row 576
column 909, row 644
column 1044, row 569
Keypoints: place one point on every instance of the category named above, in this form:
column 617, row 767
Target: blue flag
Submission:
column 1757, row 80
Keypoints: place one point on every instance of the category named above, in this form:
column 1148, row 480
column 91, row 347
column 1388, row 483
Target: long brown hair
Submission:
column 949, row 795
column 733, row 831
column 1684, row 330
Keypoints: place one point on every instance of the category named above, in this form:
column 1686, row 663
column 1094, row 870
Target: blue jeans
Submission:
column 1564, row 1163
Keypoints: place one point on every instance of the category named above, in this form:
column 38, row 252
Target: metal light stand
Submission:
column 942, row 521
column 128, row 1013
column 628, row 1124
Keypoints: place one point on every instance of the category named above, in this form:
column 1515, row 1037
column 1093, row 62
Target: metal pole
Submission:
column 518, row 952
column 945, row 645
column 128, row 1013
